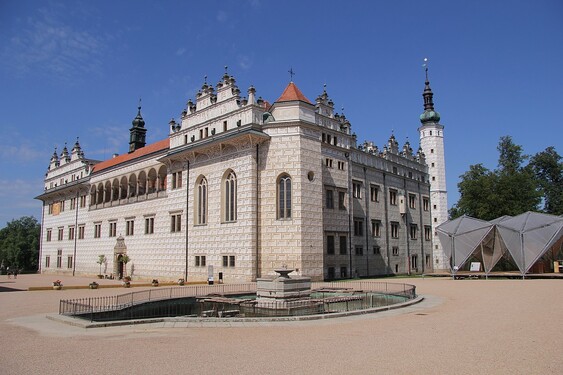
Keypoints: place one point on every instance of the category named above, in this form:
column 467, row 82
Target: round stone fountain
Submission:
column 282, row 291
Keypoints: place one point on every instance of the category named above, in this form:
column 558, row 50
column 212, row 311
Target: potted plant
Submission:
column 101, row 260
column 57, row 284
column 154, row 282
column 126, row 282
column 93, row 285
column 181, row 281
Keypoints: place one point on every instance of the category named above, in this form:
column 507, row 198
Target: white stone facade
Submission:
column 245, row 188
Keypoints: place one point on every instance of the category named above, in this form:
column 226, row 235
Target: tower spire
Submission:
column 429, row 114
column 137, row 133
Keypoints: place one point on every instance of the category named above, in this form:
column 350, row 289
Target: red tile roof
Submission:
column 148, row 149
column 292, row 93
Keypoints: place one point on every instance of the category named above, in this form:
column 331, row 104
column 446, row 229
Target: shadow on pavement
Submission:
column 7, row 288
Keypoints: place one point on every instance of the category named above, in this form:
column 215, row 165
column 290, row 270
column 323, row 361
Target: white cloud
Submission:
column 222, row 16
column 44, row 41
column 20, row 153
column 113, row 139
column 180, row 51
column 245, row 62
column 17, row 199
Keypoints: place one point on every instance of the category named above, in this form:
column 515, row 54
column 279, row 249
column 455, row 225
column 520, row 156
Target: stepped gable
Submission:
column 292, row 93
column 147, row 150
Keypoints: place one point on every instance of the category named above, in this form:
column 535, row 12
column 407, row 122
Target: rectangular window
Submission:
column 97, row 230
column 130, row 227
column 330, row 245
column 394, row 229
column 357, row 189
column 414, row 231
column 374, row 193
column 341, row 165
column 72, row 203
column 330, row 274
column 47, row 261
column 328, row 162
column 225, row 126
column 61, row 234
column 343, row 272
column 112, row 229
column 427, row 233
column 81, row 229
column 395, row 250
column 376, row 250
column 69, row 261
column 358, row 227
column 59, row 258
column 376, row 228
column 329, row 199
column 412, row 201
column 175, row 223
column 177, row 180
column 414, row 261
column 342, row 200
column 228, row 261
column 83, row 201
column 393, row 197
column 425, row 204
column 49, row 234
column 71, row 233
column 359, row 250
column 343, row 246
column 200, row 261
column 149, row 225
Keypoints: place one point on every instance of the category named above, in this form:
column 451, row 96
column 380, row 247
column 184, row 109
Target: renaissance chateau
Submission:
column 241, row 187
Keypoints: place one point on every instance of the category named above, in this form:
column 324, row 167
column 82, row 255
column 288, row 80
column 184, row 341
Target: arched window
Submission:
column 201, row 204
column 284, row 197
column 230, row 196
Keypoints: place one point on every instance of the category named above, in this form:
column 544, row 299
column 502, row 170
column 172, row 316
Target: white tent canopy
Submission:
column 529, row 236
column 526, row 237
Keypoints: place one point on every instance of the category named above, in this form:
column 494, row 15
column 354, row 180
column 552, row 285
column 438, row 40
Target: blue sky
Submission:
column 78, row 68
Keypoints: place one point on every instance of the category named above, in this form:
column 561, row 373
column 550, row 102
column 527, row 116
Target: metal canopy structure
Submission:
column 526, row 238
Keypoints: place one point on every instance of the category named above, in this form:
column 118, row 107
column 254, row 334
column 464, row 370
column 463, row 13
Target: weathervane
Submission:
column 291, row 74
column 425, row 66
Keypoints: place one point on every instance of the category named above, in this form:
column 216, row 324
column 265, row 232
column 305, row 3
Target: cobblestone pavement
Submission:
column 462, row 326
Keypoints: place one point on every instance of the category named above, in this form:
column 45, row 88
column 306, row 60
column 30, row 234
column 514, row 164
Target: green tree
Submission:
column 511, row 189
column 548, row 171
column 19, row 243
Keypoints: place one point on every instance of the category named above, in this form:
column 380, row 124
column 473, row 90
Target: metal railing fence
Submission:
column 328, row 297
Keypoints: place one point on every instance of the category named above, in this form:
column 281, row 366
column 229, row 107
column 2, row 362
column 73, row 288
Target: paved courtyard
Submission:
column 462, row 327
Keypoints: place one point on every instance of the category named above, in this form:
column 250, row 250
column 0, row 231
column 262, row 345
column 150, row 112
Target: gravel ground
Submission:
column 462, row 327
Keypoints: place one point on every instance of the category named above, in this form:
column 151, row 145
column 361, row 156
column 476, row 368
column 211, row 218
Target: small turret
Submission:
column 137, row 132
column 54, row 163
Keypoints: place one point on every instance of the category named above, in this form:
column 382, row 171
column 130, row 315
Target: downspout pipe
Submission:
column 187, row 216
column 75, row 232
column 257, row 249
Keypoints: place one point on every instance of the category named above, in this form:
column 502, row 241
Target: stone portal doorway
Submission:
column 119, row 251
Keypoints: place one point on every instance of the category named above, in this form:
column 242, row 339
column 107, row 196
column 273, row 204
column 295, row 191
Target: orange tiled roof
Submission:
column 148, row 149
column 292, row 93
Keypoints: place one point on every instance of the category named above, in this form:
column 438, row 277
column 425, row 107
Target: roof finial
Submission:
column 205, row 79
column 226, row 68
column 291, row 74
column 425, row 65
column 139, row 107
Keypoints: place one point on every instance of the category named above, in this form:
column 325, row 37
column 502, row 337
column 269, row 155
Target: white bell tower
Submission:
column 432, row 144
